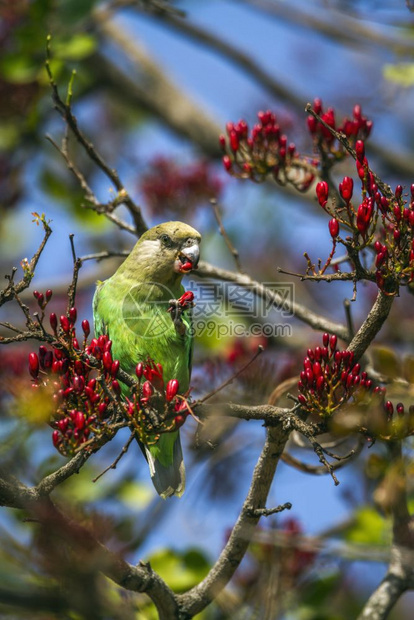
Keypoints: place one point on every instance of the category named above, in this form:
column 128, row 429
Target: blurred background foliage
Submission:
column 152, row 94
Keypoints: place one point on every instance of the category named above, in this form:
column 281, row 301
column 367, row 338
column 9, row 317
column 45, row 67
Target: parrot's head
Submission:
column 171, row 248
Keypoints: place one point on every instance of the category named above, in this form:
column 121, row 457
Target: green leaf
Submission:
column 385, row 361
column 369, row 528
column 135, row 495
column 408, row 368
column 401, row 74
column 76, row 48
column 180, row 570
column 18, row 69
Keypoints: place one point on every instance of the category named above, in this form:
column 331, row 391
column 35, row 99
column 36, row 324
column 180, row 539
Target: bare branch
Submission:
column 65, row 111
column 205, row 270
column 12, row 289
column 384, row 598
column 225, row 236
column 372, row 324
column 200, row 596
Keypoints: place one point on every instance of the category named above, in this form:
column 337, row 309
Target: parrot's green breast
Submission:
column 135, row 317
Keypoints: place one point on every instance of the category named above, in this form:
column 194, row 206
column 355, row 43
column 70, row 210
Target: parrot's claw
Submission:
column 177, row 307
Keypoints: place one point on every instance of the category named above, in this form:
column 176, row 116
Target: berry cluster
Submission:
column 357, row 128
column 179, row 189
column 82, row 392
column 86, row 390
column 330, row 378
column 393, row 242
column 155, row 407
column 395, row 246
column 262, row 152
column 400, row 421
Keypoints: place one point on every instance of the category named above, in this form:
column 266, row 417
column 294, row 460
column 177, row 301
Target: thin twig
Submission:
column 77, row 264
column 349, row 321
column 65, row 112
column 225, row 236
column 330, row 277
column 284, row 303
column 267, row 512
column 29, row 268
column 118, row 458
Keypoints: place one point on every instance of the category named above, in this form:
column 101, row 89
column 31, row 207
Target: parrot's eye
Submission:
column 166, row 240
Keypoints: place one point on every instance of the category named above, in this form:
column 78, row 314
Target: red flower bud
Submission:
column 107, row 361
column 34, row 365
column 234, row 141
column 56, row 438
column 49, row 294
column 186, row 298
column 179, row 420
column 53, row 321
column 389, row 408
column 147, row 390
column 227, row 163
column 346, row 188
column 400, row 409
column 171, row 390
column 116, row 387
column 79, row 367
column 64, row 322
column 317, row 105
column 102, row 407
column 139, row 370
column 114, row 368
column 322, row 190
column 332, row 342
column 316, row 368
column 320, row 382
column 86, row 328
column 73, row 315
column 334, row 228
column 79, row 420
column 360, row 151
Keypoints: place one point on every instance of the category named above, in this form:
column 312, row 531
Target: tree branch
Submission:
column 372, row 324
column 205, row 270
column 200, row 596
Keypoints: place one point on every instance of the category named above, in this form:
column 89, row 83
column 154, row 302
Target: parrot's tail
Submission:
column 169, row 479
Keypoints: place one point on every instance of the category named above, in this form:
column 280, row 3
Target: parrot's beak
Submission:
column 188, row 259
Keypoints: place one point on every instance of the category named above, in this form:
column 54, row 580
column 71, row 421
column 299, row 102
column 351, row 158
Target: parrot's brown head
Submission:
column 169, row 248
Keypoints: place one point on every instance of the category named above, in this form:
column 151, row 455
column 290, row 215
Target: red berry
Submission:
column 86, row 328
column 73, row 314
column 171, row 389
column 53, row 321
column 34, row 365
column 64, row 322
column 360, row 151
column 334, row 228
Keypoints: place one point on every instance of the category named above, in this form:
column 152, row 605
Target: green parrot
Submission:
column 131, row 307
